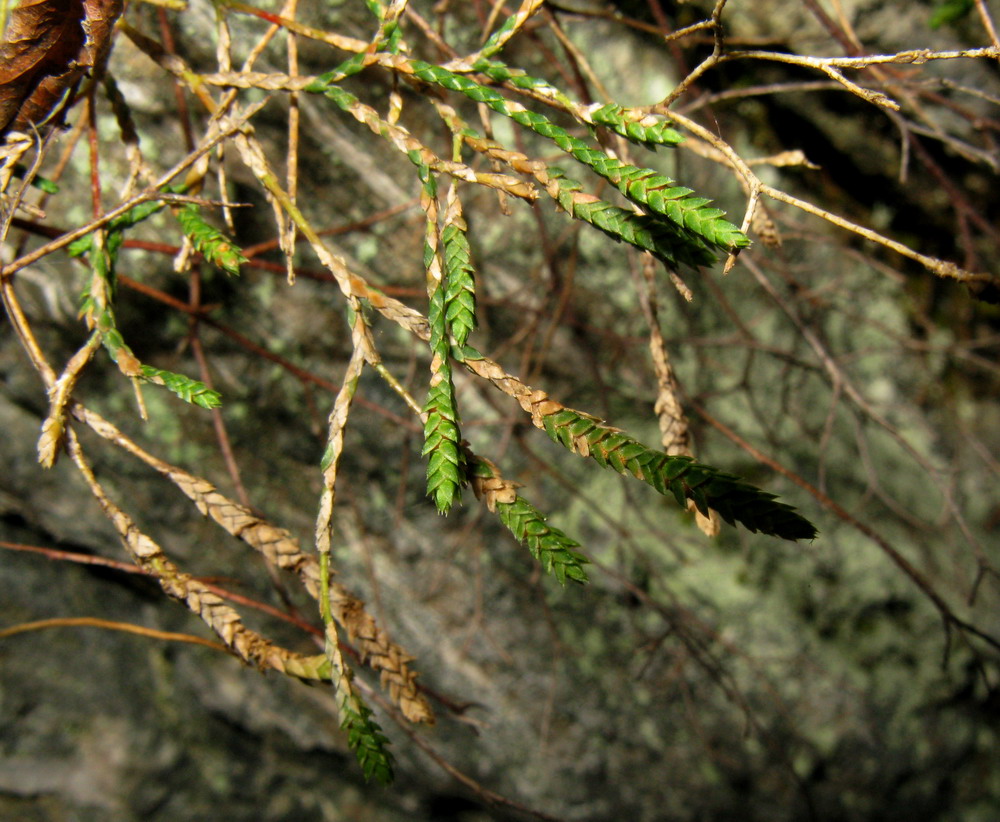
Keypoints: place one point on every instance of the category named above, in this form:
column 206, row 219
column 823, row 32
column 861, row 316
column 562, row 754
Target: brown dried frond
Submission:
column 223, row 619
column 674, row 435
column 281, row 548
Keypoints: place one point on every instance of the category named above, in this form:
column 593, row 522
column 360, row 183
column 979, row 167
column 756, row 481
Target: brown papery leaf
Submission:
column 99, row 21
column 47, row 47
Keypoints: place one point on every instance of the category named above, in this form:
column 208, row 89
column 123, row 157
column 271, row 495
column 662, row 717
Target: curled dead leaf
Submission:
column 47, row 47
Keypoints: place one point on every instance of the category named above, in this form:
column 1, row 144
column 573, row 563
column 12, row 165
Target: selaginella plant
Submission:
column 571, row 158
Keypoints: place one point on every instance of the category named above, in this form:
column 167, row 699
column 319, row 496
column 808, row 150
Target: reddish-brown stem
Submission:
column 302, row 374
column 129, row 568
column 95, row 157
column 183, row 112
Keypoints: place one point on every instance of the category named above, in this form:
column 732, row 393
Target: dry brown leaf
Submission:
column 47, row 47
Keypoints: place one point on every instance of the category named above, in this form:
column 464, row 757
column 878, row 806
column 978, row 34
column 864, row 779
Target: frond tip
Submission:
column 442, row 434
column 681, row 477
column 551, row 547
column 369, row 744
column 209, row 241
column 441, row 446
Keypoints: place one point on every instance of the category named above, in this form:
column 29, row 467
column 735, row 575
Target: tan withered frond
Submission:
column 674, row 435
column 281, row 548
column 222, row 618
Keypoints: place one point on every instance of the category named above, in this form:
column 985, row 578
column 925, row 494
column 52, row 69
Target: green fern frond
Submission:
column 442, row 435
column 441, row 445
column 642, row 186
column 681, row 477
column 664, row 240
column 644, row 129
column 96, row 306
column 189, row 390
column 208, row 241
column 551, row 547
column 460, row 281
column 669, row 243
column 665, row 197
column 365, row 738
column 639, row 127
column 502, row 73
